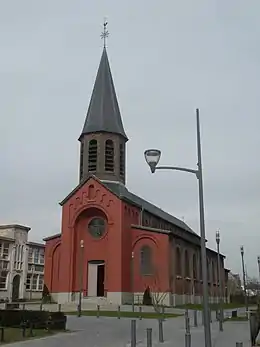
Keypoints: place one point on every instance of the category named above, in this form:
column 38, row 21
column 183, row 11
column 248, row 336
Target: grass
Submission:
column 15, row 334
column 236, row 319
column 124, row 314
column 213, row 307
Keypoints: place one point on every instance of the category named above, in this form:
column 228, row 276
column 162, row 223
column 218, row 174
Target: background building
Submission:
column 21, row 264
column 112, row 241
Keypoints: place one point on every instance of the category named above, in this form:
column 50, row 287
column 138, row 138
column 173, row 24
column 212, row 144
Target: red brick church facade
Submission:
column 112, row 242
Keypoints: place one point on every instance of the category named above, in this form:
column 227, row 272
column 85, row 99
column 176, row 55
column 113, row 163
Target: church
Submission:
column 114, row 244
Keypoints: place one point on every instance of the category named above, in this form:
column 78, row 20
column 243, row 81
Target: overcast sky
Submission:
column 167, row 58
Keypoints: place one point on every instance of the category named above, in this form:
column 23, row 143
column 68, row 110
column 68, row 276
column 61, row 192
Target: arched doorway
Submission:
column 16, row 288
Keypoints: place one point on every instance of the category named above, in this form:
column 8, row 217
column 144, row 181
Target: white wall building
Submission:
column 21, row 264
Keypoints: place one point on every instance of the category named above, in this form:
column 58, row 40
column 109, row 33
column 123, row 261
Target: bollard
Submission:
column 149, row 334
column 140, row 312
column 187, row 322
column 59, row 307
column 253, row 326
column 2, row 334
column 187, row 340
column 79, row 310
column 31, row 330
column 23, row 326
column 195, row 318
column 163, row 312
column 133, row 333
column 161, row 330
column 210, row 315
column 239, row 344
column 98, row 311
column 187, row 333
column 220, row 323
column 118, row 312
column 186, row 313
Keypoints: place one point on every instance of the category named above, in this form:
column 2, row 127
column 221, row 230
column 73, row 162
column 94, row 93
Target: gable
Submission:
column 81, row 185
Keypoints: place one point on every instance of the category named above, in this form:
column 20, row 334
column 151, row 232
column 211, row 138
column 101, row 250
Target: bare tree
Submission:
column 158, row 296
column 253, row 285
column 234, row 284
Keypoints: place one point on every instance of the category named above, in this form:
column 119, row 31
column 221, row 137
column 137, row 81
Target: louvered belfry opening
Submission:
column 109, row 156
column 92, row 156
column 81, row 160
column 122, row 161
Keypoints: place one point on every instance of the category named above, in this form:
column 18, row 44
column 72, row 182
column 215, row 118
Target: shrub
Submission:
column 147, row 298
column 46, row 296
column 240, row 299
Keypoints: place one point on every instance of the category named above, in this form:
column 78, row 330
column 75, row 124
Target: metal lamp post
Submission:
column 31, row 282
column 81, row 277
column 220, row 296
column 152, row 157
column 244, row 276
column 258, row 262
column 132, row 282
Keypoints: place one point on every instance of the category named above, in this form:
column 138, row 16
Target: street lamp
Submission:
column 244, row 277
column 152, row 157
column 81, row 276
column 220, row 296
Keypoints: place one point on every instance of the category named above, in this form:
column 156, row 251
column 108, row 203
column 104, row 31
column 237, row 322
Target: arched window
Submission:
column 109, row 156
column 122, row 161
column 92, row 156
column 178, row 268
column 194, row 263
column 146, row 260
column 187, row 264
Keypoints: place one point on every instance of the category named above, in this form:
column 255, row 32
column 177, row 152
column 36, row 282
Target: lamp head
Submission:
column 152, row 157
column 242, row 250
column 217, row 236
column 81, row 243
column 258, row 259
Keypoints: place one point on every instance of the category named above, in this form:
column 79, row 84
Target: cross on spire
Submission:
column 104, row 33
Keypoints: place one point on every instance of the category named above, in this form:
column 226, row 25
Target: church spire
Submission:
column 103, row 113
column 103, row 138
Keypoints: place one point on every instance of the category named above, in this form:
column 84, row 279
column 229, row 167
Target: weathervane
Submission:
column 104, row 33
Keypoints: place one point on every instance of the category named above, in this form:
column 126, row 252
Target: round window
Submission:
column 97, row 227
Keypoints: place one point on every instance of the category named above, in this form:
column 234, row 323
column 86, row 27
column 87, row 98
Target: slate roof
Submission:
column 123, row 193
column 103, row 113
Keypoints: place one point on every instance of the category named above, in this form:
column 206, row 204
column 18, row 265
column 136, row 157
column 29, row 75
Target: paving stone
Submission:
column 112, row 332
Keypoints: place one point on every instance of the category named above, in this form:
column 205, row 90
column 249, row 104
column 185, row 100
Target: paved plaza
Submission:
column 113, row 332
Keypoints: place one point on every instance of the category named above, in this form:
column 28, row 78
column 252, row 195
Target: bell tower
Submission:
column 103, row 139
